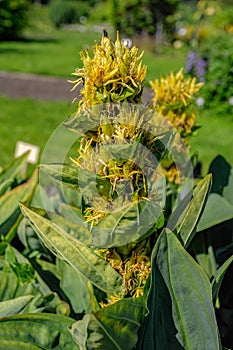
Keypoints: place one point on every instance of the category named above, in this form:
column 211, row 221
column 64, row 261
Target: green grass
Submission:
column 35, row 121
column 30, row 121
column 213, row 138
column 55, row 52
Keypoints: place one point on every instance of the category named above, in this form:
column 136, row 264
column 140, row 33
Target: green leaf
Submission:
column 14, row 306
column 205, row 257
column 217, row 210
column 80, row 257
column 84, row 122
column 11, row 288
column 14, row 171
column 181, row 313
column 9, row 208
column 41, row 331
column 128, row 224
column 76, row 178
column 228, row 189
column 186, row 228
column 17, row 345
column 114, row 327
column 77, row 230
column 23, row 270
column 218, row 278
column 5, row 185
column 220, row 170
column 75, row 286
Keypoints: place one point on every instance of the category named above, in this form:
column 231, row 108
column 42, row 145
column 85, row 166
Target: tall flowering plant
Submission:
column 129, row 253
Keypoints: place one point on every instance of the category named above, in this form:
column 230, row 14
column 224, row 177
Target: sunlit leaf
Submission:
column 76, row 254
column 186, row 228
column 217, row 210
column 218, row 278
column 41, row 331
column 181, row 313
column 9, row 208
column 77, row 179
column 127, row 224
column 14, row 306
column 114, row 327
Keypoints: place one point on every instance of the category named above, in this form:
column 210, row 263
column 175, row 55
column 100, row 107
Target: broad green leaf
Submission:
column 84, row 122
column 10, row 234
column 9, row 208
column 75, row 286
column 72, row 213
column 77, row 230
column 181, row 313
column 15, row 169
column 206, row 259
column 76, row 178
column 42, row 331
column 17, row 345
column 5, row 185
column 218, row 278
column 22, row 268
column 220, row 170
column 217, row 210
column 66, row 282
column 14, row 306
column 224, row 252
column 80, row 257
column 128, row 224
column 29, row 238
column 228, row 189
column 11, row 288
column 114, row 327
column 186, row 228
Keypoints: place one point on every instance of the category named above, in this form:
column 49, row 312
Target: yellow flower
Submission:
column 115, row 73
column 173, row 98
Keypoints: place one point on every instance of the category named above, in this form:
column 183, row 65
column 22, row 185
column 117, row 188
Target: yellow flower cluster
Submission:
column 135, row 270
column 115, row 73
column 173, row 98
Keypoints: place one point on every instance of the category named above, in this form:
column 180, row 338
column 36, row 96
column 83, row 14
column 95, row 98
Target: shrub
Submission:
column 13, row 18
column 137, row 16
column 62, row 12
column 219, row 79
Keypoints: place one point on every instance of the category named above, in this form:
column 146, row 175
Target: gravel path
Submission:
column 38, row 87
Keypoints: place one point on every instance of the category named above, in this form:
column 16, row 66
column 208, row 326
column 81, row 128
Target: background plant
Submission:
column 13, row 18
column 218, row 87
column 133, row 17
column 63, row 12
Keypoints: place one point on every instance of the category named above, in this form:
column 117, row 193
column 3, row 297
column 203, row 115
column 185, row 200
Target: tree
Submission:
column 137, row 16
column 13, row 18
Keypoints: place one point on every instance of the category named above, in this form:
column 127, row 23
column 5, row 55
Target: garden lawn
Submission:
column 213, row 138
column 56, row 53
column 30, row 121
column 35, row 121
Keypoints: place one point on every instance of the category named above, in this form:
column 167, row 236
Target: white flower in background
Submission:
column 230, row 101
column 200, row 101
